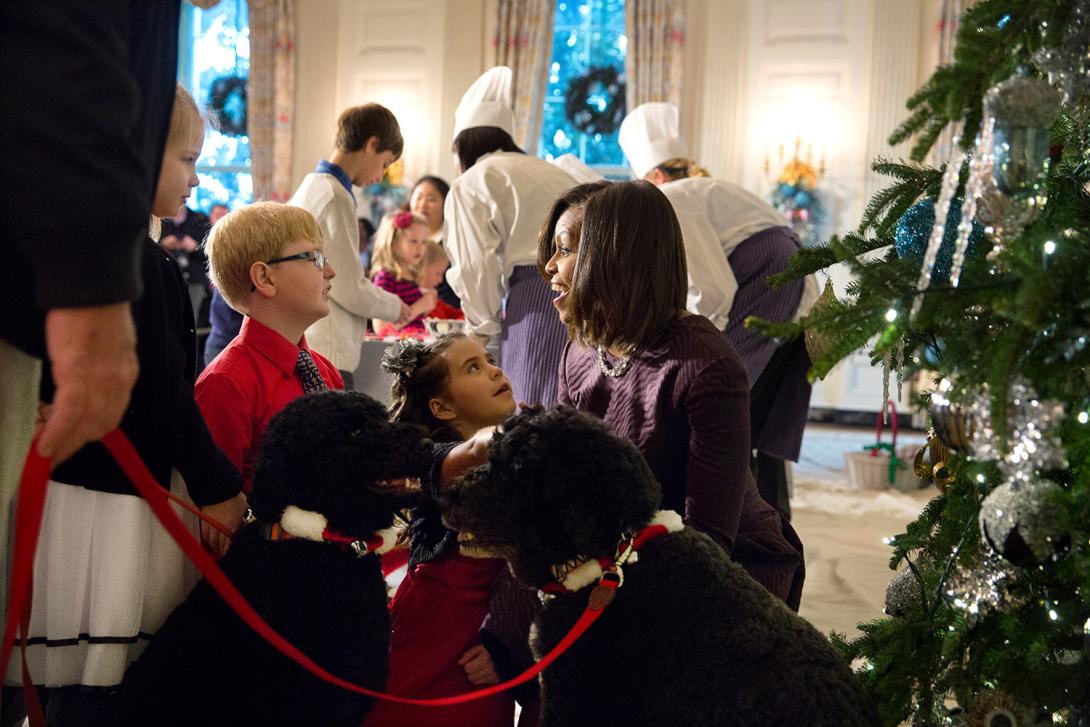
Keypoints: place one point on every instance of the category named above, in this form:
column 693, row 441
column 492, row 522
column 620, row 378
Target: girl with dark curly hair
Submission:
column 457, row 622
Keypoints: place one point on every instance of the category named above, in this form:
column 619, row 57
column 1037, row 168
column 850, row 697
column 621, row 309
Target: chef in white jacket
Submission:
column 492, row 218
column 751, row 241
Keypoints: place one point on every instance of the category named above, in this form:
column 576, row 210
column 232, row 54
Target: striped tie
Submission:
column 308, row 373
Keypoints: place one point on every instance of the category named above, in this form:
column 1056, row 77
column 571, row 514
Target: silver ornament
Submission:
column 981, row 586
column 1031, row 443
column 903, row 589
column 1020, row 111
column 1022, row 522
column 1032, row 423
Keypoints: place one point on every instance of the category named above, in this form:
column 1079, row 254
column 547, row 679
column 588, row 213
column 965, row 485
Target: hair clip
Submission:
column 403, row 357
column 403, row 220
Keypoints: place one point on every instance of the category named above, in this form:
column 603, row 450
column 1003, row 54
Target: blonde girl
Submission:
column 400, row 245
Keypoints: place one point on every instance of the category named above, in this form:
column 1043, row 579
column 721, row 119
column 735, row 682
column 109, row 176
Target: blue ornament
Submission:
column 933, row 353
column 787, row 190
column 802, row 198
column 914, row 230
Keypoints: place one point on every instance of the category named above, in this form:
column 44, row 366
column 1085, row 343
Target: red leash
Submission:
column 28, row 523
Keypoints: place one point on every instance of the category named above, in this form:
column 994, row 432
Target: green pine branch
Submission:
column 1023, row 310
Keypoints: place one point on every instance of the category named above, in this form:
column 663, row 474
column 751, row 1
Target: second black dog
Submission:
column 689, row 638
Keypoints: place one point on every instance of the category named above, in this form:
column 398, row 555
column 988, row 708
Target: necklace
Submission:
column 613, row 372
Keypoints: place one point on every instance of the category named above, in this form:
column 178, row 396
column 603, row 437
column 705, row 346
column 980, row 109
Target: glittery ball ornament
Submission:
column 914, row 229
column 903, row 590
column 1024, row 523
column 984, row 584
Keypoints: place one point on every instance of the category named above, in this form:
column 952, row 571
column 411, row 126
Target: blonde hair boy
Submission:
column 251, row 235
column 268, row 262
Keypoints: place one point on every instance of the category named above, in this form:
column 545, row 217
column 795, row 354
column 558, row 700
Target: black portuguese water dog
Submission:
column 688, row 639
column 326, row 459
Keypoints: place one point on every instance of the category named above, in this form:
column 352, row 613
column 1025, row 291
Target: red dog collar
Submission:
column 309, row 525
column 608, row 569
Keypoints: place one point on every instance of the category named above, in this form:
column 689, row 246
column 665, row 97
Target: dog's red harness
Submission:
column 28, row 521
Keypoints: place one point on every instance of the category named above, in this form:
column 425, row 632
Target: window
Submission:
column 214, row 64
column 586, row 77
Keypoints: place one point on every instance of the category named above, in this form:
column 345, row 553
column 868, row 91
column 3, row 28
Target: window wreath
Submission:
column 602, row 115
column 227, row 104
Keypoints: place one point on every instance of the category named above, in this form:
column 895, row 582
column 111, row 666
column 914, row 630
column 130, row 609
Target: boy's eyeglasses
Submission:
column 314, row 256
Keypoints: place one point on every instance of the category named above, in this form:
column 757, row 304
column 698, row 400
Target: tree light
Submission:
column 891, row 315
column 1050, row 247
column 1083, row 417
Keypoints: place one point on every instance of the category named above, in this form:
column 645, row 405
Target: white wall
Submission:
column 316, row 80
column 414, row 56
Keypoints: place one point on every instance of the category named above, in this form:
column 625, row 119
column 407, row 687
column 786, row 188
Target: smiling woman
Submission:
column 663, row 378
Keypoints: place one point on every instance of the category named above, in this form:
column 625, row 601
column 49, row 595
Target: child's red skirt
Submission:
column 435, row 617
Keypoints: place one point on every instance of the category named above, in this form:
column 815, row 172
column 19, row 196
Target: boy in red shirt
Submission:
column 267, row 262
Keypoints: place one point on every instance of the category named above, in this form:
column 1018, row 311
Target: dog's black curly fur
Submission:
column 324, row 452
column 689, row 638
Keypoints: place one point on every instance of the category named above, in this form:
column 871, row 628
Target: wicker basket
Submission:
column 871, row 469
column 867, row 472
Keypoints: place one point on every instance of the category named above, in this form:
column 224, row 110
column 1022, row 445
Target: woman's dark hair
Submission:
column 439, row 183
column 473, row 143
column 630, row 277
column 420, row 374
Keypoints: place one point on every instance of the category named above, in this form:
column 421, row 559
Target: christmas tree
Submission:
column 976, row 272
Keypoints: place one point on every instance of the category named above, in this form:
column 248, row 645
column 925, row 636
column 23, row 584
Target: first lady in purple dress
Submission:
column 666, row 379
